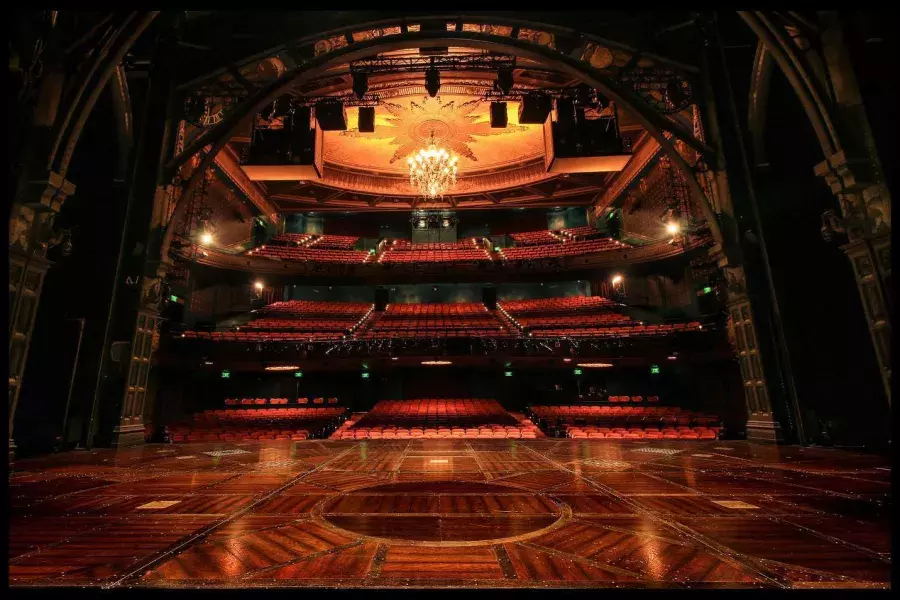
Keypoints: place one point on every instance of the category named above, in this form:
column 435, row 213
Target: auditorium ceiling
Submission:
column 498, row 167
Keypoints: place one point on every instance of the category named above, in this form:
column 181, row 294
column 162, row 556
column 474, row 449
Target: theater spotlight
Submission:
column 360, row 84
column 672, row 228
column 617, row 279
column 504, row 81
column 206, row 238
column 432, row 80
column 258, row 285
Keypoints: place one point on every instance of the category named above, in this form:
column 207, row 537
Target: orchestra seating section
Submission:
column 538, row 251
column 435, row 418
column 470, row 319
column 296, row 320
column 629, row 422
column 461, row 251
column 581, row 316
column 244, row 424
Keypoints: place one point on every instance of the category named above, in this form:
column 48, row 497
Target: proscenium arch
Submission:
column 213, row 141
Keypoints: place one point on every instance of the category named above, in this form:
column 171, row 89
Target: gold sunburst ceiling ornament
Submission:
column 432, row 170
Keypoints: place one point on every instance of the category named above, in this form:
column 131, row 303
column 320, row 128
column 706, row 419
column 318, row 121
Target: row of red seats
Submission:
column 263, row 336
column 620, row 331
column 573, row 320
column 241, row 436
column 633, row 398
column 543, row 236
column 574, row 248
column 304, row 324
column 450, row 308
column 577, row 304
column 407, row 245
column 334, row 241
column 271, row 414
column 262, row 401
column 400, row 433
column 310, row 254
column 310, row 308
column 638, row 433
column 583, row 232
column 432, row 256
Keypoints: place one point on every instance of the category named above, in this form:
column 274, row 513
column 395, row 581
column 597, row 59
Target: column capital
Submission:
column 46, row 193
column 864, row 199
column 36, row 206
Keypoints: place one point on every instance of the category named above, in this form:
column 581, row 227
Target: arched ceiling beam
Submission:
column 800, row 79
column 103, row 70
column 760, row 79
column 652, row 121
column 124, row 117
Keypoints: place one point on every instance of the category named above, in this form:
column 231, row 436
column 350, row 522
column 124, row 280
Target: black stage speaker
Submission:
column 366, row 119
column 381, row 298
column 498, row 115
column 331, row 115
column 489, row 297
column 534, row 109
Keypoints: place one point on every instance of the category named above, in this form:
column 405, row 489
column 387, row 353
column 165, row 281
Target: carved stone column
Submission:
column 742, row 333
column 30, row 235
column 866, row 211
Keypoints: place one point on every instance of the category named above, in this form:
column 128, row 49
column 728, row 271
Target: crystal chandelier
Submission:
column 432, row 171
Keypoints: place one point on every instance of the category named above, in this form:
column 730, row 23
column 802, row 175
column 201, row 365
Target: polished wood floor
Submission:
column 466, row 513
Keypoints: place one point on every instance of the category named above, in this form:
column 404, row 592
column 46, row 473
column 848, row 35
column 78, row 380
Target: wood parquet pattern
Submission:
column 452, row 513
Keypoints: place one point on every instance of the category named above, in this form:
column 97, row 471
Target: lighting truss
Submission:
column 450, row 62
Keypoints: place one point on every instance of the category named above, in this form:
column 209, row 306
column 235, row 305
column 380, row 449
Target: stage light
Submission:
column 432, row 81
column 567, row 360
column 672, row 228
column 673, row 357
column 259, row 285
column 394, row 358
column 206, row 238
column 617, row 279
column 360, row 84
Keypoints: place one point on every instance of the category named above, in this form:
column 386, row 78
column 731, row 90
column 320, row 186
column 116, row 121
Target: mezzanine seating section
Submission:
column 567, row 248
column 468, row 319
column 535, row 238
column 404, row 251
column 306, row 253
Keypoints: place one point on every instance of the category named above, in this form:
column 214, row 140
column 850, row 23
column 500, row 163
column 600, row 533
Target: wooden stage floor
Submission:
column 466, row 513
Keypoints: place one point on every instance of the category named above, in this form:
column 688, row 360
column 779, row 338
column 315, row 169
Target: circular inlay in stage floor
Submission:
column 445, row 513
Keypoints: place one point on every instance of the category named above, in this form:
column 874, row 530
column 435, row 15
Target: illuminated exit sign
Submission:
column 654, row 369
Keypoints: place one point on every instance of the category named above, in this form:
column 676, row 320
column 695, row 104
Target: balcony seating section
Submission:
column 406, row 245
column 535, row 238
column 567, row 248
column 580, row 233
column 244, row 424
column 629, row 422
column 436, row 320
column 404, row 251
column 294, row 321
column 436, row 418
column 314, row 254
column 335, row 242
column 582, row 316
column 315, row 308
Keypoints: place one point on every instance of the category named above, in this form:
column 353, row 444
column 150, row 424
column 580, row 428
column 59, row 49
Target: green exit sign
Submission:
column 173, row 298
column 496, row 248
column 654, row 369
column 578, row 371
column 226, row 374
column 365, row 375
column 707, row 290
column 298, row 374
column 508, row 373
